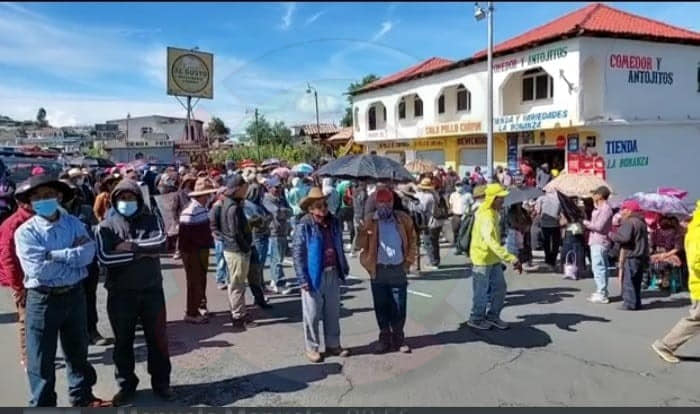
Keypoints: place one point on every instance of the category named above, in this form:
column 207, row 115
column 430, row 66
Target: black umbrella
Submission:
column 519, row 195
column 570, row 209
column 365, row 167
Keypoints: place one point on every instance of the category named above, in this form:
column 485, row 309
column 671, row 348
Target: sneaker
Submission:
column 221, row 286
column 197, row 320
column 204, row 312
column 665, row 353
column 339, row 351
column 598, row 298
column 123, row 397
column 286, row 290
column 405, row 349
column 480, row 325
column 273, row 288
column 97, row 339
column 432, row 267
column 177, row 256
column 498, row 323
column 166, row 394
column 314, row 356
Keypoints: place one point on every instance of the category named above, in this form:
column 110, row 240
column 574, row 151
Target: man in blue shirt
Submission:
column 54, row 250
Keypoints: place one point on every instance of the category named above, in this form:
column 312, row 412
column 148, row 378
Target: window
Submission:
column 698, row 77
column 357, row 119
column 441, row 104
column 146, row 130
column 417, row 107
column 537, row 84
column 464, row 99
column 384, row 113
column 402, row 109
column 372, row 115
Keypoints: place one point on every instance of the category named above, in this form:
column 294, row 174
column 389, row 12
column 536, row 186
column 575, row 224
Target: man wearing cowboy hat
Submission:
column 54, row 250
column 129, row 244
column 195, row 241
column 320, row 265
column 428, row 199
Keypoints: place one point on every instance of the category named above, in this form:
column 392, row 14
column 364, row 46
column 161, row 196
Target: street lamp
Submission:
column 257, row 132
column 479, row 14
column 309, row 88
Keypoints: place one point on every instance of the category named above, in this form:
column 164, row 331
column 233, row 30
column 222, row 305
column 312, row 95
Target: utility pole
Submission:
column 489, row 131
column 257, row 135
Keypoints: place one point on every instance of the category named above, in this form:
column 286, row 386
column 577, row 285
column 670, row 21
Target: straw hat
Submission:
column 426, row 184
column 75, row 172
column 315, row 194
column 203, row 186
column 186, row 179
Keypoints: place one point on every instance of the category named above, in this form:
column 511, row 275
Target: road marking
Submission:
column 425, row 295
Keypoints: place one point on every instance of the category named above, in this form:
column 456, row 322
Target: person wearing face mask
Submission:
column 77, row 177
column 195, row 241
column 129, row 244
column 460, row 204
column 389, row 247
column 54, row 251
column 320, row 265
column 275, row 204
column 76, row 206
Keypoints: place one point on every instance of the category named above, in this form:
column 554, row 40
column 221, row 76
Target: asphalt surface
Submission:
column 560, row 351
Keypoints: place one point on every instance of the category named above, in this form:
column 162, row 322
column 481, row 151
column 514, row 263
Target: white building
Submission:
column 598, row 89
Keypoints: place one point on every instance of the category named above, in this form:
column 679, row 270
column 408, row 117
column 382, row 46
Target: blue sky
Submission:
column 89, row 62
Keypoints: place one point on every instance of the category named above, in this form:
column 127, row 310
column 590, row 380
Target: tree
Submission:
column 347, row 119
column 260, row 129
column 41, row 118
column 216, row 129
column 280, row 134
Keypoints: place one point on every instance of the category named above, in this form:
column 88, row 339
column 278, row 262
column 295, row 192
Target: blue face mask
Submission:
column 127, row 208
column 45, row 208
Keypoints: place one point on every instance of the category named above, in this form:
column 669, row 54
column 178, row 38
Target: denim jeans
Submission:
column 124, row 308
column 278, row 250
column 221, row 269
column 489, row 286
column 599, row 264
column 50, row 317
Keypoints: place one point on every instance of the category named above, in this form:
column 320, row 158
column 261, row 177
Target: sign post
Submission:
column 191, row 75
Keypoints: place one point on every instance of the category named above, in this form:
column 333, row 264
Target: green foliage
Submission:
column 216, row 129
column 274, row 134
column 347, row 119
column 97, row 152
column 294, row 154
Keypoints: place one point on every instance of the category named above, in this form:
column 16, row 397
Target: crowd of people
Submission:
column 66, row 233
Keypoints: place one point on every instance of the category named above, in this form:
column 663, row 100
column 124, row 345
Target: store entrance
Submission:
column 554, row 157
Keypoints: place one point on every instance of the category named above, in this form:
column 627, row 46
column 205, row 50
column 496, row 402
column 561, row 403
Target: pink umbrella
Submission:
column 282, row 172
column 673, row 192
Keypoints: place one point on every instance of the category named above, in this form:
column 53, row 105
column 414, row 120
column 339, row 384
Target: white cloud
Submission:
column 287, row 16
column 386, row 28
column 314, row 17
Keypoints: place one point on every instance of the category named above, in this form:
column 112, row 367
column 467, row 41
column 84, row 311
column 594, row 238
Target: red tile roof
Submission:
column 344, row 135
column 597, row 20
column 311, row 129
column 423, row 68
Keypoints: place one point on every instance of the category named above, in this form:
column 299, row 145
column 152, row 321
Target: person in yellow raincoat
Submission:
column 487, row 256
column 688, row 327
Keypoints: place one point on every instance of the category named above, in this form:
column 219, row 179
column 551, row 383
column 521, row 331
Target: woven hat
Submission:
column 315, row 194
column 75, row 172
column 186, row 179
column 203, row 186
column 426, row 184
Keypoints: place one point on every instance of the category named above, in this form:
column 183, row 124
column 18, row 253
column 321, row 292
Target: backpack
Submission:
column 441, row 210
column 464, row 236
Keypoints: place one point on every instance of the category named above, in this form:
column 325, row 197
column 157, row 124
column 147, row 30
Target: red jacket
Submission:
column 10, row 271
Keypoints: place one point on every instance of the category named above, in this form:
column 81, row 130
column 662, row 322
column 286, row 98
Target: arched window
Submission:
column 537, row 85
column 417, row 107
column 357, row 119
column 441, row 104
column 464, row 99
column 372, row 115
column 384, row 113
column 402, row 109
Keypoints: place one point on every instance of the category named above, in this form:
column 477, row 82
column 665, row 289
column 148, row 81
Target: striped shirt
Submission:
column 195, row 232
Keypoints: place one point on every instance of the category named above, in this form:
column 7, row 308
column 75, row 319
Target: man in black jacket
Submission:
column 634, row 241
column 237, row 240
column 129, row 244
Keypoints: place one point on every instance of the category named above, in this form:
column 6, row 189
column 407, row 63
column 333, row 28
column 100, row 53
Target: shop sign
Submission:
column 561, row 141
column 526, row 122
column 572, row 140
column 422, row 144
column 376, row 134
column 641, row 69
column 584, row 163
column 476, row 141
column 534, row 58
column 394, row 145
column 452, row 128
column 627, row 146
column 190, row 73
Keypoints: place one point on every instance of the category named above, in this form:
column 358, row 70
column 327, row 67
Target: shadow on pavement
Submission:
column 522, row 334
column 461, row 273
column 541, row 296
column 290, row 312
column 282, row 380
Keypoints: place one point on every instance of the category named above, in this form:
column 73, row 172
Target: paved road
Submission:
column 561, row 350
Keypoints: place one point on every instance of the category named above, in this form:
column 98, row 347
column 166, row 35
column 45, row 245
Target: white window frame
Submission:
column 534, row 75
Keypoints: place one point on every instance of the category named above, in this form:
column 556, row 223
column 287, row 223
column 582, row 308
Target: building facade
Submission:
column 598, row 90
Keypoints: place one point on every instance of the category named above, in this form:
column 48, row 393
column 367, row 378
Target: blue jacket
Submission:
column 307, row 251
